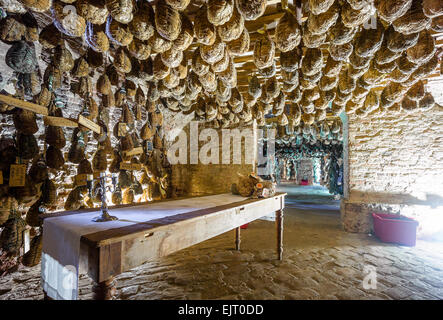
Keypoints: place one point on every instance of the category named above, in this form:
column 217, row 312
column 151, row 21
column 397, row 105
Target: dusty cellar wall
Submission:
column 197, row 179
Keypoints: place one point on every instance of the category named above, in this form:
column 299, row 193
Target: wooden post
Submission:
column 279, row 224
column 237, row 238
column 105, row 290
column 46, row 297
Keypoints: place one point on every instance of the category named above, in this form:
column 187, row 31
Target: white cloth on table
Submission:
column 61, row 257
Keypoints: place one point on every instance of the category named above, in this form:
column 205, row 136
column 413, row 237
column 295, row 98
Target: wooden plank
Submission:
column 59, row 122
column 434, row 75
column 237, row 238
column 80, row 179
column 244, row 58
column 279, row 227
column 130, row 166
column 17, row 175
column 93, row 254
column 110, row 261
column 89, row 124
column 23, row 104
column 248, row 64
column 133, row 152
column 271, row 2
column 122, row 129
column 1, row 177
column 261, row 21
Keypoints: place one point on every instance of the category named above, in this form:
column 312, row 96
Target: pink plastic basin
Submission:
column 395, row 228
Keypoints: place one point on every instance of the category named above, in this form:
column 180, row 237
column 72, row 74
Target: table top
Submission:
column 143, row 217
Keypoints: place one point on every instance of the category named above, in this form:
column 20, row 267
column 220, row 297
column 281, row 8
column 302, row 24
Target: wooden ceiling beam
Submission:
column 254, row 26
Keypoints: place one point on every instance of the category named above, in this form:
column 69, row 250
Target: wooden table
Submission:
column 113, row 251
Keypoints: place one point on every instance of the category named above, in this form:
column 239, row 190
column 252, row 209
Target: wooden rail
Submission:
column 23, row 104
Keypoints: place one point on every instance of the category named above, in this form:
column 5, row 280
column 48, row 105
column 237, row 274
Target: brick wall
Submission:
column 395, row 164
column 205, row 179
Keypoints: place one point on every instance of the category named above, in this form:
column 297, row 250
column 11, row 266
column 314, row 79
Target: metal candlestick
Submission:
column 101, row 190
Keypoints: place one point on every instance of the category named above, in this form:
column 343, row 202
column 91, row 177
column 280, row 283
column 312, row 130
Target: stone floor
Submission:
column 320, row 262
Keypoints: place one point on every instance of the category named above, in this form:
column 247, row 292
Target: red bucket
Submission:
column 395, row 228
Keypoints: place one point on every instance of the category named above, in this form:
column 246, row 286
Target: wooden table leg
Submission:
column 105, row 290
column 237, row 238
column 46, row 297
column 279, row 224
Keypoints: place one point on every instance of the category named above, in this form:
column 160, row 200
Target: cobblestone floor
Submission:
column 320, row 262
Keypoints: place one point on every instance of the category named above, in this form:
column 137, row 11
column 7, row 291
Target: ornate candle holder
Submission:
column 101, row 190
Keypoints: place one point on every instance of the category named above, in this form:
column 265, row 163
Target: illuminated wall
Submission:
column 396, row 164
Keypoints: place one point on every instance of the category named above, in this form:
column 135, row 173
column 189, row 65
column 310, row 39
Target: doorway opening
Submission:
column 309, row 165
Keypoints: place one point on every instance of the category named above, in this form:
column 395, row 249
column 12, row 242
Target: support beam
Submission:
column 105, row 290
column 237, row 238
column 279, row 225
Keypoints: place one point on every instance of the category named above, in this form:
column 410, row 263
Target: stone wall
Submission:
column 396, row 165
column 196, row 179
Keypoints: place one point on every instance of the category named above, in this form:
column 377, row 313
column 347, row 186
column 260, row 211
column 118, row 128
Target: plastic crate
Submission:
column 395, row 228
